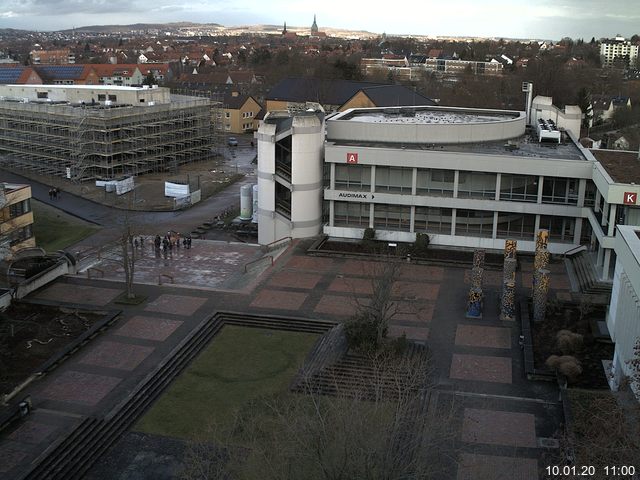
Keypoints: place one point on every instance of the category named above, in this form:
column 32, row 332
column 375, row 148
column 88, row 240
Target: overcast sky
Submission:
column 549, row 19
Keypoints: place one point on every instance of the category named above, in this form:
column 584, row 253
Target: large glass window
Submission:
column 19, row 208
column 477, row 185
column 351, row 214
column 353, row 177
column 560, row 228
column 590, row 194
column 475, row 223
column 394, row 179
column 560, row 190
column 435, row 182
column 519, row 188
column 392, row 217
column 516, row 225
column 433, row 220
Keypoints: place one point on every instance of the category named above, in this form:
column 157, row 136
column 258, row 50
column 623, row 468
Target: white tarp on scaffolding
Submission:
column 176, row 190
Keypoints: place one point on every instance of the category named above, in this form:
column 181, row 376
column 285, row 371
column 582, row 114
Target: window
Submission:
column 433, row 220
column 435, row 182
column 20, row 208
column 43, row 94
column 353, row 177
column 516, row 225
column 477, row 185
column 394, row 179
column 20, row 235
column 560, row 190
column 102, row 97
column 519, row 188
column 227, row 115
column 351, row 214
column 392, row 217
column 560, row 228
column 113, row 98
column 475, row 223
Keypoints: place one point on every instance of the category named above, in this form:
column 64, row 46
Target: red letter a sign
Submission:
column 352, row 158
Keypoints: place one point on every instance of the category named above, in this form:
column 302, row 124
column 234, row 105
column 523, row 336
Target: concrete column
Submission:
column 371, row 213
column 582, row 190
column 453, row 220
column 596, row 206
column 373, row 179
column 599, row 256
column 605, row 214
column 332, row 178
column 494, row 232
column 605, row 265
column 540, row 185
column 498, row 182
column 577, row 232
column 332, row 212
column 536, row 225
column 412, row 221
column 456, row 179
column 414, row 183
column 612, row 219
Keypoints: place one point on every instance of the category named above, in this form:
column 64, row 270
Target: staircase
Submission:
column 586, row 276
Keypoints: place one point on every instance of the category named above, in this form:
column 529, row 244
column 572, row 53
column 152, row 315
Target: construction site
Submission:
column 87, row 132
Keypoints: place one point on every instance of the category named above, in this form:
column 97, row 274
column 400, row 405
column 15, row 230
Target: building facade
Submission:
column 618, row 48
column 86, row 132
column 469, row 178
column 16, row 219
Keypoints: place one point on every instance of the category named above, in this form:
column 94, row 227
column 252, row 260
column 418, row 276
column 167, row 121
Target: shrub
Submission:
column 361, row 333
column 568, row 342
column 566, row 365
column 369, row 238
column 421, row 245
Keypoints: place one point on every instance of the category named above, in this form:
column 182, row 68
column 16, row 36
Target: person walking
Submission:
column 50, row 194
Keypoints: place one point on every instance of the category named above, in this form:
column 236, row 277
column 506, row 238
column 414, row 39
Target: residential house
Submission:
column 605, row 105
column 62, row 56
column 240, row 112
column 19, row 75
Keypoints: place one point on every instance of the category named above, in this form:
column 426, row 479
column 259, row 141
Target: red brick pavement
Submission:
column 148, row 328
column 499, row 428
column 488, row 467
column 481, row 336
column 122, row 356
column 482, row 368
column 79, row 387
column 279, row 299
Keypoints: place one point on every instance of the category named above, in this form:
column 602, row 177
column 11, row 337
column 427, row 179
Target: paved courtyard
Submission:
column 479, row 362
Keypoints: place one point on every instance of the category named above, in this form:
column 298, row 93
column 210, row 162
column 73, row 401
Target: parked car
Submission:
column 232, row 142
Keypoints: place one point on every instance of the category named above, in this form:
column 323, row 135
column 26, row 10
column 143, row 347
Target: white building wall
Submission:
column 570, row 118
column 267, row 228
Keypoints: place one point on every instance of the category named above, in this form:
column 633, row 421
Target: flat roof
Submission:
column 85, row 87
column 622, row 166
column 427, row 115
column 526, row 146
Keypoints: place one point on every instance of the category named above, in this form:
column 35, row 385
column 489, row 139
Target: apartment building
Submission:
column 618, row 48
column 16, row 219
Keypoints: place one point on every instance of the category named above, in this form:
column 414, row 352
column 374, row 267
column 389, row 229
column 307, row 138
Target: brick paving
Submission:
column 421, row 273
column 416, row 311
column 12, row 456
column 82, row 294
column 32, row 432
column 279, row 300
column 294, row 279
column 79, row 387
column 413, row 290
column 483, row 368
column 310, row 263
column 176, row 304
column 480, row 336
column 491, row 467
column 358, row 286
column 121, row 356
column 499, row 428
column 341, row 306
column 412, row 333
column 148, row 328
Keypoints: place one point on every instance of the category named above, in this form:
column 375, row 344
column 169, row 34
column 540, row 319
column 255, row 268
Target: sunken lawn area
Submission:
column 239, row 366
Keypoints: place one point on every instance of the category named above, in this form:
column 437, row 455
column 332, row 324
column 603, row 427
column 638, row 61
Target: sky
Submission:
column 542, row 19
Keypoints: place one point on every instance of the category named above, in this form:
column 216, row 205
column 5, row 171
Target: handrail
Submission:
column 256, row 261
column 170, row 277
column 269, row 246
column 573, row 250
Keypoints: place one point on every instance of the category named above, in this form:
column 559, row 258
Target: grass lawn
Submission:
column 55, row 229
column 240, row 365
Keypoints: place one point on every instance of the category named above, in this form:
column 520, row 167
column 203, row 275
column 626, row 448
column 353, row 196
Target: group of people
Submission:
column 170, row 241
column 54, row 193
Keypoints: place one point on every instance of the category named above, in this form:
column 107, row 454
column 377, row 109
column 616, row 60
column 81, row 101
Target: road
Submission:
column 146, row 222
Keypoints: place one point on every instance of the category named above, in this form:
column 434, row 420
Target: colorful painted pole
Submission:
column 540, row 294
column 508, row 304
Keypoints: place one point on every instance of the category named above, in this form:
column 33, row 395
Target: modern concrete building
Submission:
column 469, row 178
column 16, row 219
column 618, row 48
column 623, row 318
column 98, row 131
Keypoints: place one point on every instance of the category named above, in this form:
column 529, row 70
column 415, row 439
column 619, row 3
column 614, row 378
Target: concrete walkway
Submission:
column 502, row 417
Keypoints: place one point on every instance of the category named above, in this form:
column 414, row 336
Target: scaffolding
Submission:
column 85, row 142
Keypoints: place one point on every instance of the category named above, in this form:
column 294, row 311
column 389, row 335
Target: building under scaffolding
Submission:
column 84, row 132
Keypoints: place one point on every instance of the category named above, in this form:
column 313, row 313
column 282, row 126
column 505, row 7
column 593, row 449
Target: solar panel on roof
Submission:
column 10, row 75
column 61, row 72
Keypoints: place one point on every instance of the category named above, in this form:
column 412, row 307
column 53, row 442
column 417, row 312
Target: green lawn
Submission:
column 56, row 230
column 240, row 365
